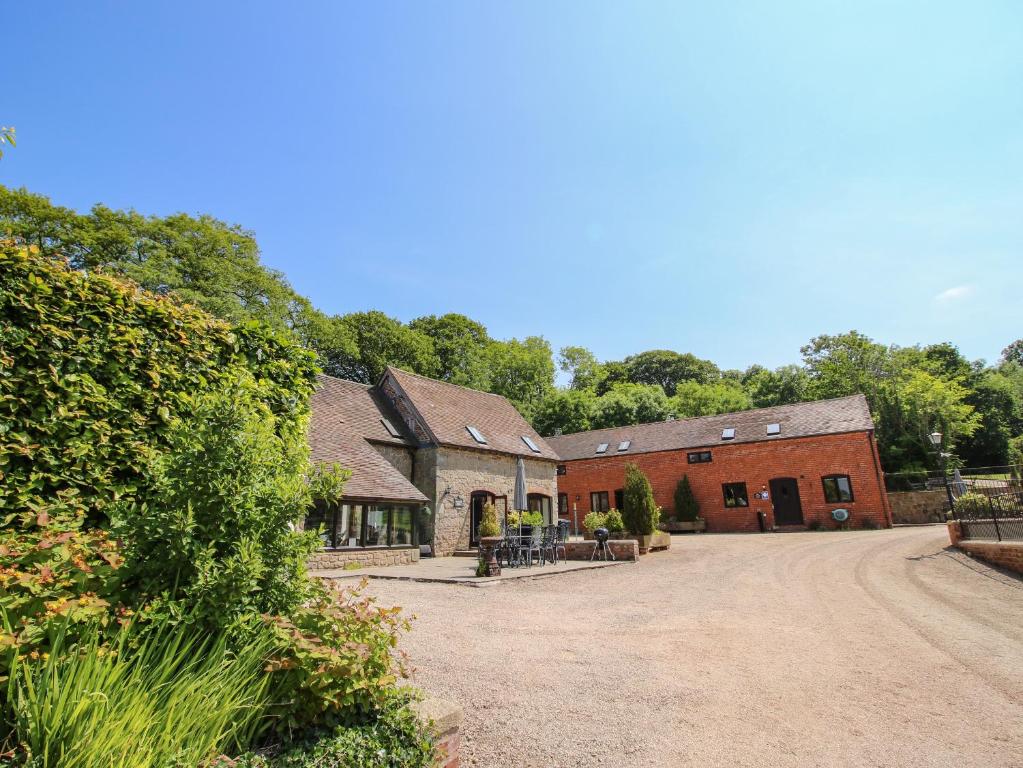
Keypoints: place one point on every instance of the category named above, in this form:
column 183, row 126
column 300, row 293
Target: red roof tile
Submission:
column 447, row 411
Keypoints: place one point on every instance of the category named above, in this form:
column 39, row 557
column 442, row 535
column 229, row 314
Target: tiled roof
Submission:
column 448, row 410
column 821, row 417
column 345, row 415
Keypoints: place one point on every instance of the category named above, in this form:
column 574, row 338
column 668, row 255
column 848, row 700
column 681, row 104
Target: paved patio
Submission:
column 462, row 570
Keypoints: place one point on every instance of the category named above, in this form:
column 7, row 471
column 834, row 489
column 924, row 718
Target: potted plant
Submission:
column 641, row 513
column 687, row 510
column 614, row 523
column 592, row 522
column 490, row 538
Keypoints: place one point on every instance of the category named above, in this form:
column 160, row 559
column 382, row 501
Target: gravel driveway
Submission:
column 866, row 648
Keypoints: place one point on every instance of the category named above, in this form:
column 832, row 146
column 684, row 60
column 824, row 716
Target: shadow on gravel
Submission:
column 993, row 572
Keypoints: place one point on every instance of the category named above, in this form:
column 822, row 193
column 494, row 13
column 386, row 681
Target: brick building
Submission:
column 796, row 463
column 425, row 457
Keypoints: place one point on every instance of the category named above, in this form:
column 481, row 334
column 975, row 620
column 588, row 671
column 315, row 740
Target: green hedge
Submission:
column 93, row 372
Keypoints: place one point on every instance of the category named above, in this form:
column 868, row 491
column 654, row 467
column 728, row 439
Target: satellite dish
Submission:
column 840, row 515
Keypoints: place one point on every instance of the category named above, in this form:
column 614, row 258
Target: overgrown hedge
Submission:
column 93, row 372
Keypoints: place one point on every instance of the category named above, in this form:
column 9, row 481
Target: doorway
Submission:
column 477, row 500
column 788, row 509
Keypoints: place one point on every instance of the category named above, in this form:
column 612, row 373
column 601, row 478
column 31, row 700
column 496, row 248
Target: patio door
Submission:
column 477, row 500
column 788, row 509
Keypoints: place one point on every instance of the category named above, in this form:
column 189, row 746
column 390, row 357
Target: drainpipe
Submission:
column 886, row 507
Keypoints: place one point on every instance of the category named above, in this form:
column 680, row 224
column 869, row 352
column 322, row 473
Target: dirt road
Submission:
column 866, row 648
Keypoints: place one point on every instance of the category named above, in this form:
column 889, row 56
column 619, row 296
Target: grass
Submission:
column 171, row 697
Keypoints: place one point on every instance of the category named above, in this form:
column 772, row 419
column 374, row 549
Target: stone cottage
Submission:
column 426, row 456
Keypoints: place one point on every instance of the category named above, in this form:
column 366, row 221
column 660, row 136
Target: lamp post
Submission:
column 935, row 438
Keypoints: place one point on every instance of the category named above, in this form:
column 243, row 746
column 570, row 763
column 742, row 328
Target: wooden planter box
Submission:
column 684, row 526
column 653, row 542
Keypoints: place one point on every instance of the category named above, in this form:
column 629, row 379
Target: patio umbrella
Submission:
column 958, row 486
column 520, row 501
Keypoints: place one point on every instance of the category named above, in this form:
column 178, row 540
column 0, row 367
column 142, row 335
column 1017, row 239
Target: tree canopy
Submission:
column 215, row 265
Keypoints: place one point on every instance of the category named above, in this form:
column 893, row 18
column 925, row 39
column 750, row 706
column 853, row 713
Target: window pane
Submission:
column 321, row 519
column 837, row 489
column 355, row 526
column 376, row 526
column 735, row 495
column 401, row 526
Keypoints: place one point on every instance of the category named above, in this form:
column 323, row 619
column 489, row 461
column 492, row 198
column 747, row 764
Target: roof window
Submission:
column 728, row 433
column 477, row 435
column 602, row 448
column 390, row 428
column 774, row 429
column 532, row 446
column 624, row 445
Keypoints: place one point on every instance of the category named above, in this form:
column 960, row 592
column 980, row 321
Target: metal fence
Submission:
column 988, row 504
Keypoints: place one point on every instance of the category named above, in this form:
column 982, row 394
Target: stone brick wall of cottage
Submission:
column 465, row 471
column 807, row 459
column 399, row 458
column 918, row 506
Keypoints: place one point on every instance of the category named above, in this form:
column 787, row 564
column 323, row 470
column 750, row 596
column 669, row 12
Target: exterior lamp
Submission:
column 935, row 438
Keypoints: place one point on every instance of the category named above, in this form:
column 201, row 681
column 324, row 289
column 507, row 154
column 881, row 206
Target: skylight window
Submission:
column 602, row 448
column 624, row 445
column 728, row 433
column 774, row 429
column 477, row 435
column 532, row 446
column 390, row 428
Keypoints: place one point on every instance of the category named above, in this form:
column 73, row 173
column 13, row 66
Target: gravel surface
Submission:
column 872, row 648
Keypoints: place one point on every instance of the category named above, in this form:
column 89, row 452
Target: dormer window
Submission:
column 728, row 433
column 602, row 448
column 477, row 435
column 390, row 428
column 774, row 429
column 529, row 442
column 624, row 445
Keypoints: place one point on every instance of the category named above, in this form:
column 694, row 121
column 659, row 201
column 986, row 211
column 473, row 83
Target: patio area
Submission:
column 462, row 570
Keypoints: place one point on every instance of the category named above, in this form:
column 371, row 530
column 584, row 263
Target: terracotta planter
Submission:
column 489, row 545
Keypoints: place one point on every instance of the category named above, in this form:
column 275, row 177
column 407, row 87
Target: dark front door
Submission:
column 477, row 501
column 787, row 508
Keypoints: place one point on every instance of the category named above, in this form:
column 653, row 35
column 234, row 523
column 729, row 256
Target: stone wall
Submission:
column 918, row 506
column 1007, row 554
column 398, row 457
column 365, row 558
column 458, row 472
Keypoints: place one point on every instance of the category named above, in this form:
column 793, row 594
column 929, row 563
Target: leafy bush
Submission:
column 53, row 575
column 95, row 373
column 334, row 661
column 525, row 518
column 594, row 520
column 169, row 697
column 613, row 521
column 489, row 526
column 687, row 508
column 394, row 738
column 639, row 509
column 973, row 504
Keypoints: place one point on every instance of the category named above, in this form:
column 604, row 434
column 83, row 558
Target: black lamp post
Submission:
column 935, row 438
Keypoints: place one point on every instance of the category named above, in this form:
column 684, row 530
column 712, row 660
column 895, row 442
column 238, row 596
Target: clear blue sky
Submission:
column 729, row 179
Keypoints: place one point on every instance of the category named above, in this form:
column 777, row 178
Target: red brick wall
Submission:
column 807, row 459
column 1007, row 554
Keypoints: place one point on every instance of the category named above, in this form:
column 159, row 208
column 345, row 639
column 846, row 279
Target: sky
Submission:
column 728, row 179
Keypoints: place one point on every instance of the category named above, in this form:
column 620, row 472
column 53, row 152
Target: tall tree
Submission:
column 668, row 369
column 522, row 371
column 461, row 348
column 1013, row 353
column 570, row 410
column 380, row 341
column 782, row 386
column 582, row 365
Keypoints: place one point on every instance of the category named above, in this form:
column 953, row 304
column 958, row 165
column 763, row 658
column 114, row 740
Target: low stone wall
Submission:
column 1007, row 554
column 445, row 718
column 364, row 558
column 622, row 549
column 909, row 507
